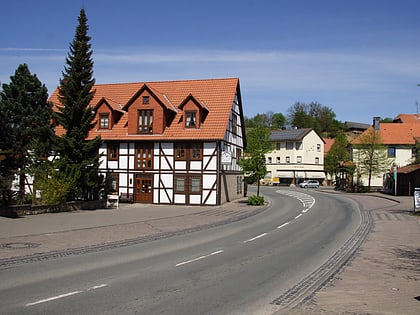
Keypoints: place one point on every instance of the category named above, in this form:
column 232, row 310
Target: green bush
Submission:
column 256, row 200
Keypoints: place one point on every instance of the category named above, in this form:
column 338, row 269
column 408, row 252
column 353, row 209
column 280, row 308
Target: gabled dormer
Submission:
column 194, row 112
column 108, row 113
column 149, row 112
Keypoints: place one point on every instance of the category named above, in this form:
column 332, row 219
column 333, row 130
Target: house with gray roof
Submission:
column 298, row 155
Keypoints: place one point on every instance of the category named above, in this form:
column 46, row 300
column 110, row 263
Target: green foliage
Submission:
column 256, row 200
column 258, row 144
column 372, row 156
column 25, row 131
column 79, row 158
column 314, row 115
column 269, row 120
column 337, row 153
column 54, row 187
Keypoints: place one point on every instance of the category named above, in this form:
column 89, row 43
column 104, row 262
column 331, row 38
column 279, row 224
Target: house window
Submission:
column 195, row 151
column 145, row 121
column 195, row 184
column 144, row 156
column 278, row 145
column 238, row 153
column 146, row 100
column 299, row 146
column 298, row 159
column 104, row 121
column 234, row 124
column 269, row 160
column 392, row 152
column 317, row 160
column 318, row 147
column 287, row 159
column 187, row 184
column 191, row 119
column 179, row 184
column 180, row 151
column 112, row 151
column 289, row 145
column 278, row 160
column 191, row 151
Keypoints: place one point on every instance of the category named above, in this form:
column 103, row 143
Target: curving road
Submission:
column 258, row 265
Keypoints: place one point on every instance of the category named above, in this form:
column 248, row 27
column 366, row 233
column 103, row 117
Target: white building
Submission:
column 298, row 155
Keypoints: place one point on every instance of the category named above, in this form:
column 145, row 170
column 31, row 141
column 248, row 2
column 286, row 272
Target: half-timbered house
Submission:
column 171, row 142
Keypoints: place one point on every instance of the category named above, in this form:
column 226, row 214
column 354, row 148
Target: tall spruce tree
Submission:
column 79, row 157
column 25, row 131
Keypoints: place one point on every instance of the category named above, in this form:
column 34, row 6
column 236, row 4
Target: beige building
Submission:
column 298, row 155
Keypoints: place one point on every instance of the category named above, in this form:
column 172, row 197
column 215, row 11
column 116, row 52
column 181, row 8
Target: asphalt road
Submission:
column 238, row 268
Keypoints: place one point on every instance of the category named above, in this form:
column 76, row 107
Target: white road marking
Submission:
column 298, row 216
column 66, row 295
column 283, row 225
column 199, row 258
column 255, row 238
column 54, row 298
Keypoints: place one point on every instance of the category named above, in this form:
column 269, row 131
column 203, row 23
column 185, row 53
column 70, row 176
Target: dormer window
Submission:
column 104, row 121
column 191, row 119
column 145, row 121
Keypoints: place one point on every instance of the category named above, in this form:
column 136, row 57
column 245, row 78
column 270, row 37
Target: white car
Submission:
column 309, row 184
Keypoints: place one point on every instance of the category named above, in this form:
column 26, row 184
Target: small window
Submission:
column 146, row 100
column 180, row 151
column 298, row 159
column 104, row 121
column 318, row 147
column 287, row 159
column 145, row 121
column 179, row 184
column 289, row 145
column 113, row 180
column 191, row 119
column 278, row 160
column 269, row 160
column 234, row 124
column 195, row 151
column 299, row 146
column 391, row 152
column 195, row 184
column 317, row 160
column 112, row 151
column 278, row 145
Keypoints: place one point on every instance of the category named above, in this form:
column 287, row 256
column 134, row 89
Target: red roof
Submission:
column 216, row 96
column 395, row 133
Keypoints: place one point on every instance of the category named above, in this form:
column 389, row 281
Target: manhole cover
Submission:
column 19, row 245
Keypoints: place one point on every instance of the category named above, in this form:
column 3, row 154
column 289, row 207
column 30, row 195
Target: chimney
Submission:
column 376, row 122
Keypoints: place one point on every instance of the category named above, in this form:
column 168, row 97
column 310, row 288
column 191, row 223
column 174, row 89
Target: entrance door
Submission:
column 144, row 188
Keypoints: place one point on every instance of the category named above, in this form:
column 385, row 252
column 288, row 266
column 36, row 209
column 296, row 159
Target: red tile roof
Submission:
column 395, row 133
column 216, row 95
column 328, row 144
column 407, row 118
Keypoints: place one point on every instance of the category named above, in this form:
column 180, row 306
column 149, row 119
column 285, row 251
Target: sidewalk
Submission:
column 46, row 233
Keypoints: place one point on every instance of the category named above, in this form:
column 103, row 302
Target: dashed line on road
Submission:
column 255, row 238
column 199, row 258
column 65, row 295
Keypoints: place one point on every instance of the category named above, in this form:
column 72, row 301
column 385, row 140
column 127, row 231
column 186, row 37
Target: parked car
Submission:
column 309, row 184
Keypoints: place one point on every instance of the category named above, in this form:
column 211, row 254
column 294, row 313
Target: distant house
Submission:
column 400, row 139
column 171, row 142
column 298, row 155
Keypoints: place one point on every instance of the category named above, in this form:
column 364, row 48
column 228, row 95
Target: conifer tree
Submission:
column 25, row 131
column 78, row 157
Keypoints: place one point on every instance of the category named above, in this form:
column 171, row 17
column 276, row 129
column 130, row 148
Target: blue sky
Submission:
column 360, row 58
